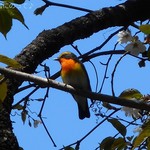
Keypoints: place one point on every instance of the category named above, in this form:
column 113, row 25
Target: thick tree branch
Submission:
column 43, row 82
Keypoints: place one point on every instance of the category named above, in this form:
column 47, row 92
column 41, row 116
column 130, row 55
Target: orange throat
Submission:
column 69, row 66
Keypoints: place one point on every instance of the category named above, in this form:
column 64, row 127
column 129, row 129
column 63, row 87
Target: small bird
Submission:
column 74, row 73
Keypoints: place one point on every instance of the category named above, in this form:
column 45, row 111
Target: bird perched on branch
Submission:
column 74, row 73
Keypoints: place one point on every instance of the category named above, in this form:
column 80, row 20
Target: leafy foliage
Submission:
column 3, row 85
column 113, row 143
column 10, row 62
column 143, row 135
column 119, row 126
column 15, row 1
column 8, row 12
column 6, row 21
column 145, row 28
column 131, row 94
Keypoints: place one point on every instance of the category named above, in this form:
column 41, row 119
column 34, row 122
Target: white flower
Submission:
column 138, row 129
column 124, row 36
column 135, row 113
column 135, row 48
column 36, row 123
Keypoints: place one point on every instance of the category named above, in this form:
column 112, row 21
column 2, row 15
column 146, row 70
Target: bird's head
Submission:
column 66, row 55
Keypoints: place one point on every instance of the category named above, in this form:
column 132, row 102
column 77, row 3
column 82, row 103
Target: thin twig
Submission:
column 106, row 69
column 76, row 48
column 105, row 74
column 26, row 97
column 113, row 73
column 79, row 141
column 47, row 74
column 66, row 6
column 47, row 131
column 40, row 116
column 26, row 87
column 96, row 75
column 103, row 44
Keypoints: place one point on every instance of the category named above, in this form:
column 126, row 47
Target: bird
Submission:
column 74, row 73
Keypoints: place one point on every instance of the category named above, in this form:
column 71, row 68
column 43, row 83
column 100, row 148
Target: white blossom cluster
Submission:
column 134, row 46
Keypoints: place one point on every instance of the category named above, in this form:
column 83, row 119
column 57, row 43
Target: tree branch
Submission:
column 49, row 3
column 42, row 82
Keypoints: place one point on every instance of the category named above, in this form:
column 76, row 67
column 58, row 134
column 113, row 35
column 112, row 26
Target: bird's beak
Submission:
column 56, row 59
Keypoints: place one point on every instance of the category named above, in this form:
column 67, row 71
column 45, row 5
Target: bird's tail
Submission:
column 82, row 107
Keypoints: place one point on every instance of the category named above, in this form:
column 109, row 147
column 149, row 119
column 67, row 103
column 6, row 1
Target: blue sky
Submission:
column 60, row 111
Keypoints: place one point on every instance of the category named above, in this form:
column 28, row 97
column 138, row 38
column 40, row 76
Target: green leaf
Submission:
column 130, row 94
column 148, row 143
column 15, row 13
column 119, row 126
column 5, row 21
column 107, row 143
column 15, row 1
column 119, row 144
column 3, row 89
column 10, row 62
column 145, row 28
column 145, row 133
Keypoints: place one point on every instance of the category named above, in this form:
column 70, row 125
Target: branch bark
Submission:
column 49, row 42
column 43, row 83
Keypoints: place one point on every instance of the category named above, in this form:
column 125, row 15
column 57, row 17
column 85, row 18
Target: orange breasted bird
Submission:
column 74, row 73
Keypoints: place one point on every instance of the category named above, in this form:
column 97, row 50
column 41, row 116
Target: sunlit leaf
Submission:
column 119, row 144
column 145, row 133
column 10, row 62
column 3, row 89
column 15, row 13
column 131, row 93
column 119, row 126
column 5, row 21
column 15, row 1
column 107, row 143
column 148, row 143
column 145, row 28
